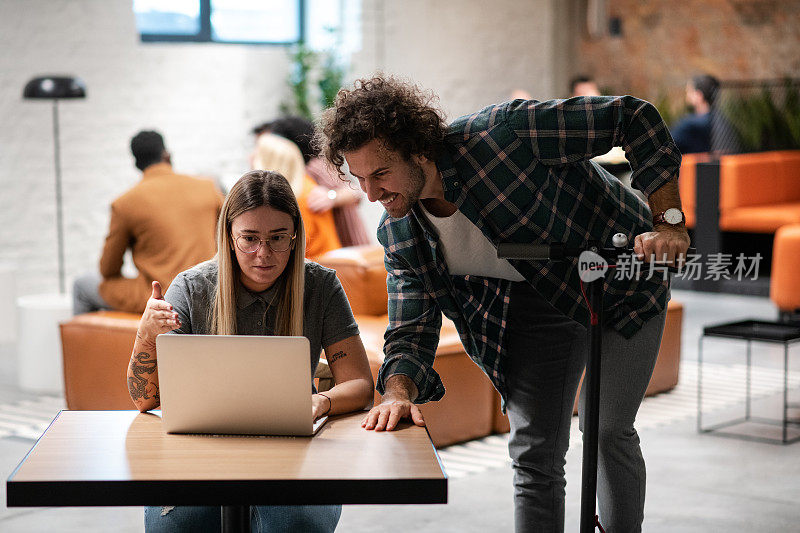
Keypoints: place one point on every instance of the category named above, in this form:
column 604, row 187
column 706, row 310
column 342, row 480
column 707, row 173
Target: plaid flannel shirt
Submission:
column 520, row 172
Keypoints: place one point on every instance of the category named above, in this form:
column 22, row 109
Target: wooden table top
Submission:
column 125, row 458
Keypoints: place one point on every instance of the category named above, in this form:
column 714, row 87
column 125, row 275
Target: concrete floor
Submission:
column 696, row 483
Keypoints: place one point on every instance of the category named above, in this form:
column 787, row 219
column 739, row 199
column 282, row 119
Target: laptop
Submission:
column 236, row 384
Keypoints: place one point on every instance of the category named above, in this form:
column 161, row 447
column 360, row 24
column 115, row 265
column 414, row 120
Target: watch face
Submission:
column 673, row 216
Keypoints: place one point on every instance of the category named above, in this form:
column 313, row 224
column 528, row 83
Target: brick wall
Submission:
column 664, row 42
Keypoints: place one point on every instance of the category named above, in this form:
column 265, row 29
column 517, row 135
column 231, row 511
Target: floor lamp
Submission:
column 56, row 88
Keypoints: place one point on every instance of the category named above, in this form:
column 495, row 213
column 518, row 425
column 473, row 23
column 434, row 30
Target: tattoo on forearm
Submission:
column 142, row 340
column 139, row 386
column 336, row 356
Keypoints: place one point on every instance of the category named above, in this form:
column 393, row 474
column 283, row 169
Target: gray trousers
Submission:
column 86, row 294
column 547, row 353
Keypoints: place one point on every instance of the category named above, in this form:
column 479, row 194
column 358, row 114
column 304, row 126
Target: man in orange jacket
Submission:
column 167, row 220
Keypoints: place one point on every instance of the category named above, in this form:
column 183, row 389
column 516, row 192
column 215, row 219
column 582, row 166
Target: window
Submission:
column 225, row 21
column 181, row 18
column 333, row 25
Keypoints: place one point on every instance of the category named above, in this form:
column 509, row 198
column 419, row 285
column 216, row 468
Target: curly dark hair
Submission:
column 399, row 113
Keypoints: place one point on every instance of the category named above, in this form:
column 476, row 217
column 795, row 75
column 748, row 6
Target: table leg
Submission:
column 700, row 385
column 785, row 390
column 235, row 519
column 747, row 386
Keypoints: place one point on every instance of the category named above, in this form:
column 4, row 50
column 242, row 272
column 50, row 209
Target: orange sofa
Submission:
column 758, row 192
column 784, row 283
column 97, row 347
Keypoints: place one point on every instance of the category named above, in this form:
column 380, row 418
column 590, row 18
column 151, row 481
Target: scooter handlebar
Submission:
column 545, row 252
column 530, row 252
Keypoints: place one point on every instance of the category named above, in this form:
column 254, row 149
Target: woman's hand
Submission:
column 158, row 318
column 320, row 405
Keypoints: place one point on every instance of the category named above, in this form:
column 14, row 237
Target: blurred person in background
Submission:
column 168, row 221
column 583, row 85
column 614, row 161
column 580, row 85
column 332, row 193
column 520, row 94
column 692, row 133
column 278, row 154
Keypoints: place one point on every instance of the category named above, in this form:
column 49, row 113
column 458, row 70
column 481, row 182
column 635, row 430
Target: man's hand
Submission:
column 158, row 317
column 398, row 403
column 389, row 412
column 665, row 243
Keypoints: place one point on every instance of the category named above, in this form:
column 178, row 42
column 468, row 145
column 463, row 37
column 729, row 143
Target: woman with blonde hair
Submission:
column 281, row 155
column 258, row 284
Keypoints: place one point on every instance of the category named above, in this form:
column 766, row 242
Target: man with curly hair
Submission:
column 516, row 172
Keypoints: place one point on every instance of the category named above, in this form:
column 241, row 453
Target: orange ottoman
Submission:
column 97, row 348
column 467, row 410
column 784, row 283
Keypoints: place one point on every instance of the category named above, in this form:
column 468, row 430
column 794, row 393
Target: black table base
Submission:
column 235, row 519
column 750, row 331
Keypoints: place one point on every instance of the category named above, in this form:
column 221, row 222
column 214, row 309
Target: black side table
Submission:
column 760, row 331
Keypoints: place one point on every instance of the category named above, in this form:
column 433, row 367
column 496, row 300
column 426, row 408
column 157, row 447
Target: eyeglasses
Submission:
column 250, row 244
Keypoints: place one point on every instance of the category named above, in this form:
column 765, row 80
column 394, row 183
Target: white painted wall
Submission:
column 472, row 53
column 205, row 98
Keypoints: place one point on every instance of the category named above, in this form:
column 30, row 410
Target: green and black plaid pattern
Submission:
column 520, row 172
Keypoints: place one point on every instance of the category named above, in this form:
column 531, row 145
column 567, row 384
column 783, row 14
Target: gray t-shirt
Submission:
column 326, row 312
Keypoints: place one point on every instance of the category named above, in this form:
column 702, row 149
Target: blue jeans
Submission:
column 547, row 352
column 264, row 519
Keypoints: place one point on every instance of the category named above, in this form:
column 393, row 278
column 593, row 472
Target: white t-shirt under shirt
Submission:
column 466, row 250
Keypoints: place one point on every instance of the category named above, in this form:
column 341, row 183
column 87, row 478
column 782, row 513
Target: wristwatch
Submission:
column 672, row 216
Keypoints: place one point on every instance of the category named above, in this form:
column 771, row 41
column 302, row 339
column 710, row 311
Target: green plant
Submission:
column 331, row 80
column 302, row 60
column 791, row 107
column 665, row 108
column 763, row 121
column 307, row 69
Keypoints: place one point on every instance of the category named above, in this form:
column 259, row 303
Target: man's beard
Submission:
column 416, row 182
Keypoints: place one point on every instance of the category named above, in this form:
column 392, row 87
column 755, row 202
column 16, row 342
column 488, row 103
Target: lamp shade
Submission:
column 51, row 87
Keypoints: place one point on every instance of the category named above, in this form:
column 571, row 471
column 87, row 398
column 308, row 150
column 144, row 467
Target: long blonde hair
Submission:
column 281, row 155
column 255, row 189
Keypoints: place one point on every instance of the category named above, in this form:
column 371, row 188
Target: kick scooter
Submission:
column 593, row 262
